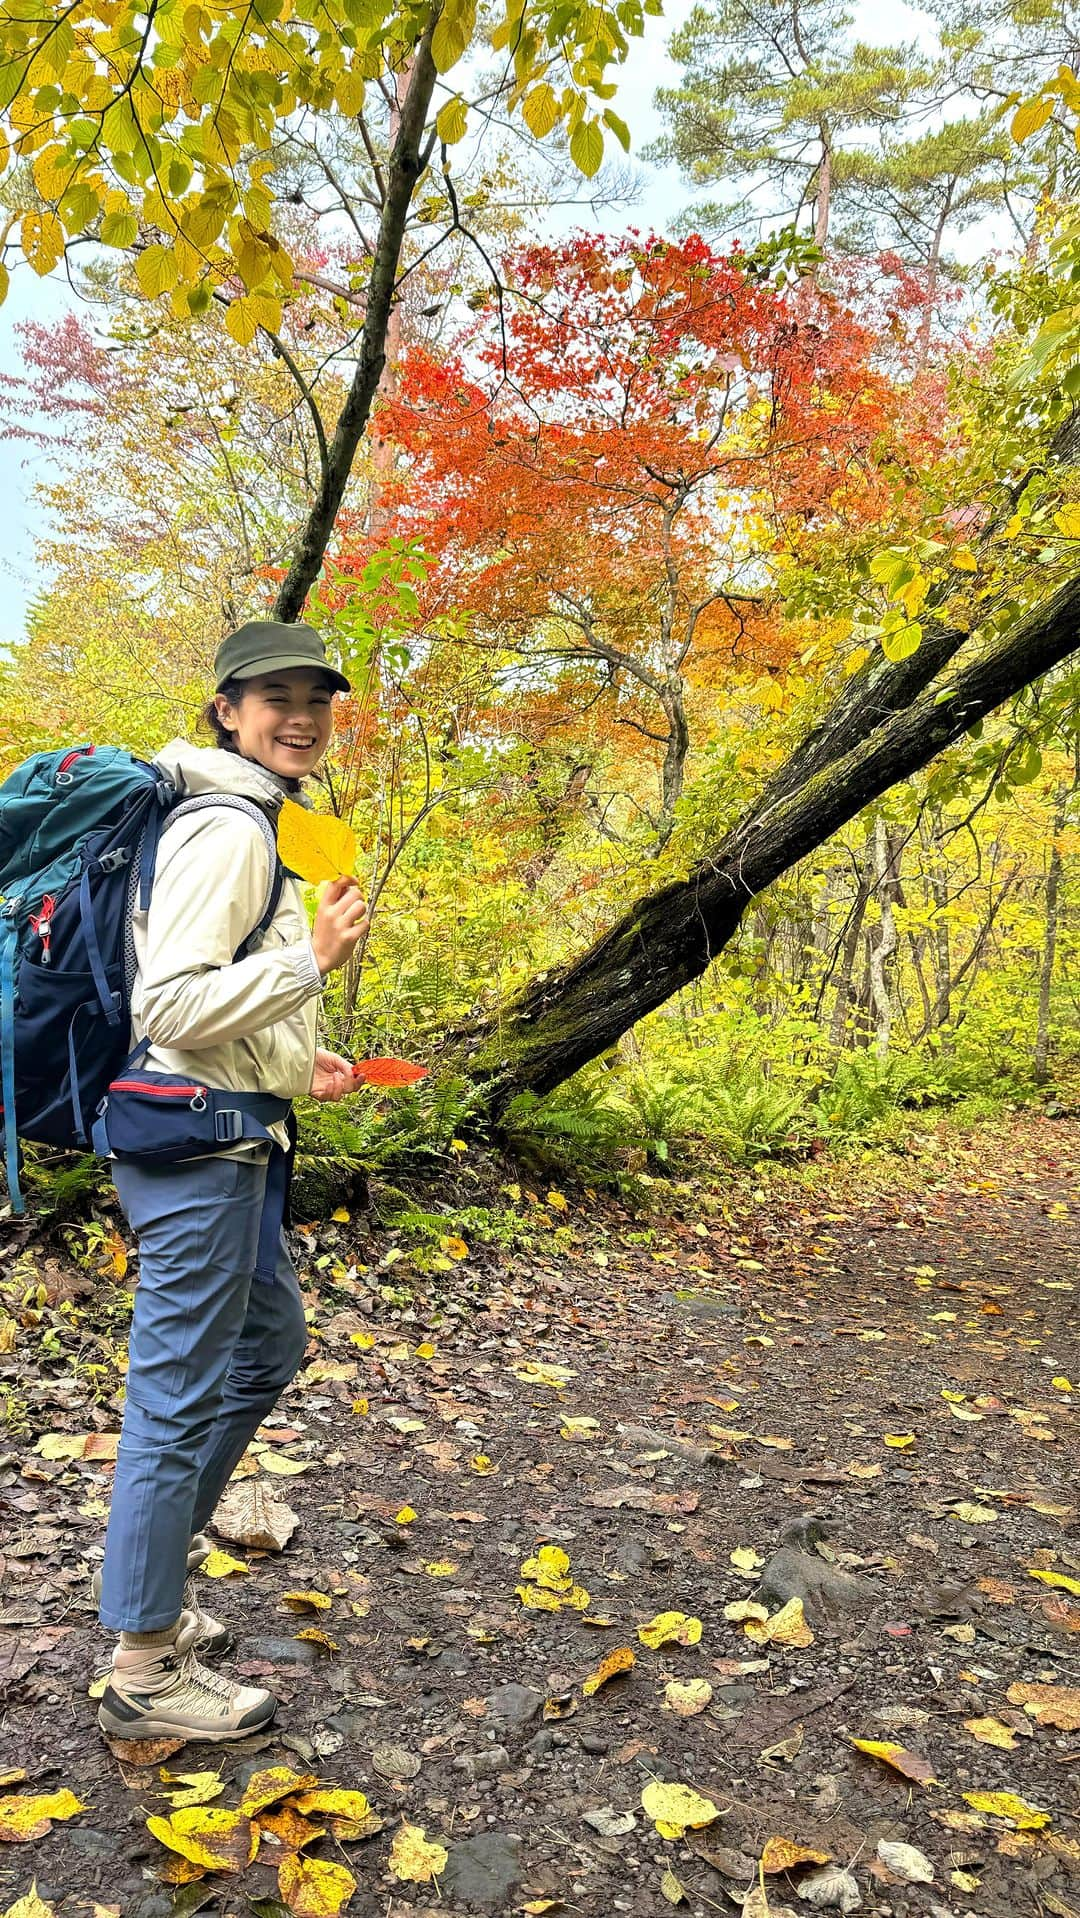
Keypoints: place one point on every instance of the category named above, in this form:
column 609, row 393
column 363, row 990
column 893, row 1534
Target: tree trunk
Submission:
column 871, row 739
column 407, row 165
column 838, row 1027
column 1046, row 975
column 823, row 195
column 674, row 767
column 884, row 944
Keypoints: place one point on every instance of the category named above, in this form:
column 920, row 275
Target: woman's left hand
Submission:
column 332, row 1078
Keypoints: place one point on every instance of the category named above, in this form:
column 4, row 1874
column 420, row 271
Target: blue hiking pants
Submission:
column 211, row 1349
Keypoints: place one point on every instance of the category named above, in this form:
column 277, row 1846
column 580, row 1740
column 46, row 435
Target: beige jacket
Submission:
column 248, row 1026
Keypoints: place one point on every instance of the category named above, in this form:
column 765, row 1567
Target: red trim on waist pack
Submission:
column 158, row 1092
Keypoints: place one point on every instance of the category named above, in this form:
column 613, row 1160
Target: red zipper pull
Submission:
column 42, row 925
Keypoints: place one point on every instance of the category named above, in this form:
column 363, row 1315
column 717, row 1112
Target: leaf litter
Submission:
column 785, row 1757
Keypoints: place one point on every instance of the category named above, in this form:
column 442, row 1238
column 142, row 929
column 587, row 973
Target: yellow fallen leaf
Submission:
column 314, row 1887
column 267, row 1787
column 283, row 1467
column 441, row 1568
column 1057, row 1705
column 311, row 1635
column 482, row 1464
column 218, row 1839
column 857, row 1470
column 314, row 845
column 670, row 1628
column 30, row 1906
column 687, row 1697
column 405, row 1516
column 971, row 1514
column 538, row 1600
column 675, row 1809
column 197, row 1787
column 414, row 1858
column 908, row 1764
column 333, row 1801
column 533, row 1373
column 578, row 1428
column 550, row 1567
column 1060, row 1580
column 425, row 1351
column 745, row 1559
column 306, row 1602
column 16, row 1777
column 742, row 1609
column 58, row 1445
column 788, row 1626
column 783, row 1854
column 991, row 1731
column 97, row 1687
column 219, row 1564
column 364, row 1340
column 1061, row 1385
column 26, row 1816
column 621, row 1659
column 899, row 1440
column 1005, row 1804
column 289, row 1828
column 964, row 1880
column 454, row 1247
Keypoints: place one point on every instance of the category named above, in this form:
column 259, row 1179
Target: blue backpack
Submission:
column 79, row 834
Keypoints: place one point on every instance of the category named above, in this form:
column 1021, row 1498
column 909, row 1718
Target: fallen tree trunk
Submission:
column 887, row 725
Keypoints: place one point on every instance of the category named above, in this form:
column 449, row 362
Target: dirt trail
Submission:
column 882, row 1347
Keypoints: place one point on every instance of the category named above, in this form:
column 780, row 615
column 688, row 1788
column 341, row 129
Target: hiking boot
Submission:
column 215, row 1639
column 162, row 1691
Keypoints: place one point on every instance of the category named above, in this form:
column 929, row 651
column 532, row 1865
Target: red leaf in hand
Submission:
column 388, row 1072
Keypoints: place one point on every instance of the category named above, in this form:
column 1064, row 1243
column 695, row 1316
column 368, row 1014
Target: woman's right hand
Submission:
column 340, row 923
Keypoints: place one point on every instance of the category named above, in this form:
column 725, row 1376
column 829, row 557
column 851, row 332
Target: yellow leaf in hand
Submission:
column 315, row 845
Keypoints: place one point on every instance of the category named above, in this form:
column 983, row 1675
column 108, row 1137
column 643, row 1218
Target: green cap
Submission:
column 266, row 645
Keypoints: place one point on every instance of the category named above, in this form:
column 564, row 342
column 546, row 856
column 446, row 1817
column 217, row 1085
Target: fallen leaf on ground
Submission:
column 831, row 1887
column 1005, row 1804
column 333, row 1801
column 745, row 1559
column 314, row 1887
column 1057, row 1705
column 782, row 1854
column 306, row 1601
column 670, row 1628
column 218, row 1839
column 311, row 1635
column 621, row 1659
column 911, row 1866
column 555, row 1376
column 1060, row 1579
column 971, row 1514
column 249, row 1514
column 197, row 1787
column 991, row 1731
column 742, row 1609
column 671, row 1889
column 267, row 1787
column 27, row 1816
column 414, row 1858
column 788, row 1626
column 675, row 1809
column 909, row 1764
column 686, row 1697
column 30, row 1906
column 219, row 1564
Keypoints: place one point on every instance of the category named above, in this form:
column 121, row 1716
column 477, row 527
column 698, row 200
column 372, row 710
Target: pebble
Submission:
column 515, row 1705
column 282, row 1651
column 485, row 1764
column 483, row 1870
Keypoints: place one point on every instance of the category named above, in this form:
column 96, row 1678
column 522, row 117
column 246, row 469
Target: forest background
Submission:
column 710, row 594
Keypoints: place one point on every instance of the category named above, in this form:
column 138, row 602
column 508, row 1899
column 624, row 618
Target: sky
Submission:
column 662, row 196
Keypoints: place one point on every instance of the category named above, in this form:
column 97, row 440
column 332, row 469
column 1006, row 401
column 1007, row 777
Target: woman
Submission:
column 218, row 1329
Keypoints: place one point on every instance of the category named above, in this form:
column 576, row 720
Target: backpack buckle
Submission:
column 228, row 1125
column 112, row 861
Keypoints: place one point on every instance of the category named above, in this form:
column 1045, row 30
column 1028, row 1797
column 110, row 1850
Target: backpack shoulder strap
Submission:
column 236, row 803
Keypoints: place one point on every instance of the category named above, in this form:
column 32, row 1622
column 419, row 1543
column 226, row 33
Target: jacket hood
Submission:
column 209, row 769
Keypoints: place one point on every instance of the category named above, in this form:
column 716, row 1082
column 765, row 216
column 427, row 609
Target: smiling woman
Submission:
column 224, row 1026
